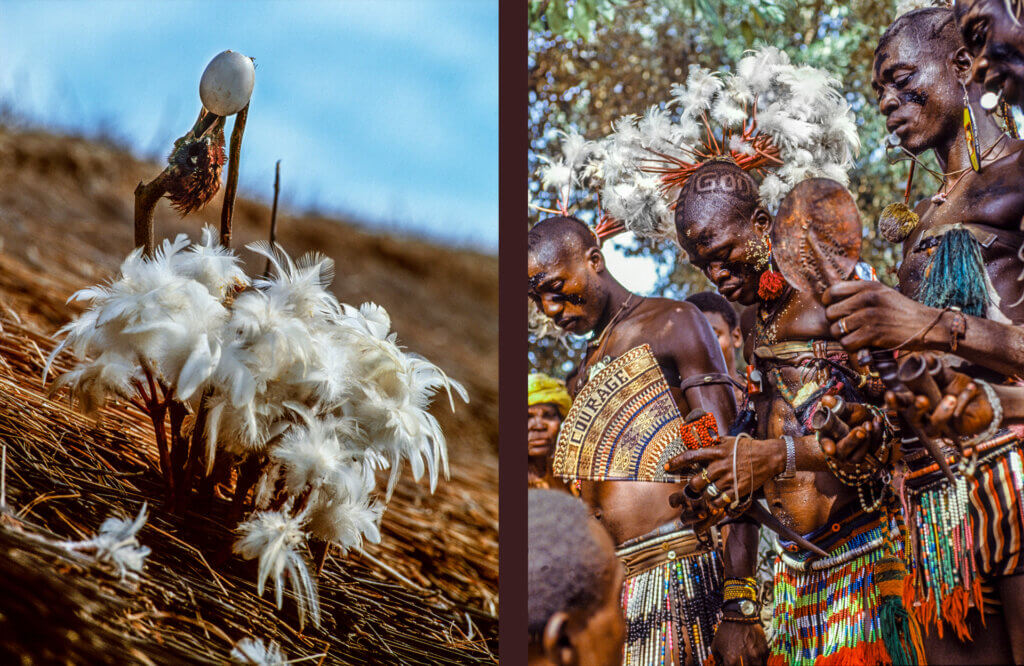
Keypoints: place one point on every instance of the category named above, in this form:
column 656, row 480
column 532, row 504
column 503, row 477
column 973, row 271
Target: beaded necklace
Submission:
column 765, row 328
column 588, row 371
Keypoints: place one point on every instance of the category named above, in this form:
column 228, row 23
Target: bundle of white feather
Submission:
column 306, row 396
column 782, row 121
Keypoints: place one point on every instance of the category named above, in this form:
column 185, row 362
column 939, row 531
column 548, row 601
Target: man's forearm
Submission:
column 740, row 550
column 990, row 344
column 809, row 456
column 1012, row 399
column 716, row 399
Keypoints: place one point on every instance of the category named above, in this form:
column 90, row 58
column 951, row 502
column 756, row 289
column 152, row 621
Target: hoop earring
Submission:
column 970, row 133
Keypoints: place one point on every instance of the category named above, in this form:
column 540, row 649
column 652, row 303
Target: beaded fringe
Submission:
column 661, row 603
column 848, row 614
column 942, row 578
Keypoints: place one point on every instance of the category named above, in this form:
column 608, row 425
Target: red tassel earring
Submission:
column 771, row 284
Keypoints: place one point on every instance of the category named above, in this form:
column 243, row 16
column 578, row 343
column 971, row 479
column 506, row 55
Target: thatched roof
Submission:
column 426, row 594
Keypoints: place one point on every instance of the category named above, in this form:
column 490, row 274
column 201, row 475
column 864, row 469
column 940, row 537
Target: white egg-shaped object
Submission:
column 227, row 83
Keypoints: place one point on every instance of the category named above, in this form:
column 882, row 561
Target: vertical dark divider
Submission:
column 512, row 333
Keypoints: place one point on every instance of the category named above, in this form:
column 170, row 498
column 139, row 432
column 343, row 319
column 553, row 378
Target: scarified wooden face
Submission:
column 817, row 235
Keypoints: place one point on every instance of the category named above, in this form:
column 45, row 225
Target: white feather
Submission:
column 117, row 543
column 274, row 538
column 253, row 651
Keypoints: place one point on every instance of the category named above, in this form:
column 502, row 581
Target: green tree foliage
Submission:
column 591, row 61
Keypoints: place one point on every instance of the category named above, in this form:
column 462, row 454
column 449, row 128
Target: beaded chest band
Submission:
column 625, row 425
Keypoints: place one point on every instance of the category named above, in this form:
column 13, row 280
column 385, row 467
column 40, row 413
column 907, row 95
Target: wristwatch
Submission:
column 790, row 471
column 744, row 607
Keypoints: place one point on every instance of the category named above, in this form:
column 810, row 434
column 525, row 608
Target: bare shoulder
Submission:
column 665, row 324
column 674, row 313
column 677, row 324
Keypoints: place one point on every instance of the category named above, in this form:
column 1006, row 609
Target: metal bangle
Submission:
column 738, row 502
column 790, row 470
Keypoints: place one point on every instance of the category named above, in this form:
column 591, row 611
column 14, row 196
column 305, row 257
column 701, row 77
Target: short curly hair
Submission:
column 931, row 26
column 564, row 233
column 710, row 301
column 568, row 569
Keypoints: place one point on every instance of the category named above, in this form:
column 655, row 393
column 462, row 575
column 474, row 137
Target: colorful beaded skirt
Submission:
column 963, row 534
column 672, row 599
column 846, row 608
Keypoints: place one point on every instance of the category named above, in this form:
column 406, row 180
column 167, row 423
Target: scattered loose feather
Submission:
column 253, row 651
column 117, row 544
column 274, row 538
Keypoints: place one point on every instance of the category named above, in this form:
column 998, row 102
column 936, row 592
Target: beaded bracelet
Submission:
column 739, row 588
column 739, row 593
column 746, row 581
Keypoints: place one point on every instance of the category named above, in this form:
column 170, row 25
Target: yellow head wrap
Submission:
column 544, row 389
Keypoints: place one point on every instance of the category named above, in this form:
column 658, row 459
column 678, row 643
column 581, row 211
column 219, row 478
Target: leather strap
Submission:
column 709, row 379
column 642, row 557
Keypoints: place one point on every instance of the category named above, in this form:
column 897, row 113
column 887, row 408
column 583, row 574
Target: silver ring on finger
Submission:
column 842, row 326
column 712, row 491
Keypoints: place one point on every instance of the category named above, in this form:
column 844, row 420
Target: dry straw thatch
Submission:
column 426, row 594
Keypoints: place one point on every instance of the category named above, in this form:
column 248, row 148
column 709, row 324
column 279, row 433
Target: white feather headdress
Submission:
column 570, row 171
column 781, row 121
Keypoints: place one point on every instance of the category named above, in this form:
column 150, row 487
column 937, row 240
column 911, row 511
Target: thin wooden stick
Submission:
column 198, row 439
column 148, row 194
column 146, row 197
column 232, row 185
column 273, row 214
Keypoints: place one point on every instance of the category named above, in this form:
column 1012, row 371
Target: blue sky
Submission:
column 385, row 110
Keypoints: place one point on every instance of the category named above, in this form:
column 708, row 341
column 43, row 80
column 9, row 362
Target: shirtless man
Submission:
column 722, row 226
column 571, row 285
column 995, row 38
column 920, row 73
